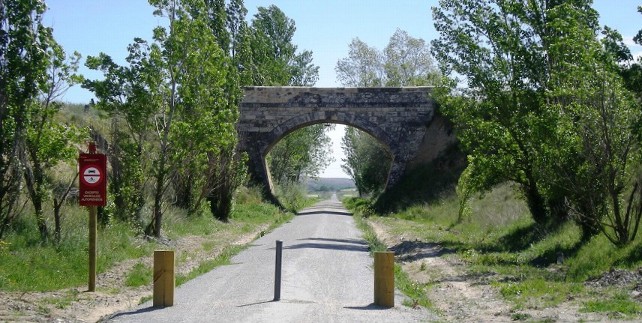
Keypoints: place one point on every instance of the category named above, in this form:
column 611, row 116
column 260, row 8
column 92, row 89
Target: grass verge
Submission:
column 222, row 259
column 27, row 265
column 531, row 267
column 416, row 292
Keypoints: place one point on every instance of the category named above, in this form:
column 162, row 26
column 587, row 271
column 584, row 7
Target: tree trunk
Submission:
column 154, row 227
column 536, row 204
column 34, row 180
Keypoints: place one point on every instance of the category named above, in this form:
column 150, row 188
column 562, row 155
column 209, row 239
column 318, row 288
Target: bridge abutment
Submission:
column 397, row 117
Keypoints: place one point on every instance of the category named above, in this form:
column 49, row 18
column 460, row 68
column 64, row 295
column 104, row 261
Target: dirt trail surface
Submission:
column 327, row 277
column 459, row 296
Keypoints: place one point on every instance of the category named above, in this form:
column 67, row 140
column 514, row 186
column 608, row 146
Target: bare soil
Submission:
column 456, row 295
column 459, row 296
column 112, row 295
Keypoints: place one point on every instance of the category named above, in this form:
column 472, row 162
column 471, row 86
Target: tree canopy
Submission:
column 405, row 61
column 536, row 101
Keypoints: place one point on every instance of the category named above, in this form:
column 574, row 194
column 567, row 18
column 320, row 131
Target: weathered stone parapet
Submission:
column 397, row 117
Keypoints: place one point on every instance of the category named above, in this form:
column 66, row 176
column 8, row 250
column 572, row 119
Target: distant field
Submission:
column 329, row 184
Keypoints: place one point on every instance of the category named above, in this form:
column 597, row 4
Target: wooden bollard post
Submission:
column 164, row 281
column 93, row 219
column 384, row 279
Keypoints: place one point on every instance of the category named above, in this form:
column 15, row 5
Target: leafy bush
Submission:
column 293, row 197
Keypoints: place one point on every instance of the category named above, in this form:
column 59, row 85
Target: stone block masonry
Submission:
column 397, row 117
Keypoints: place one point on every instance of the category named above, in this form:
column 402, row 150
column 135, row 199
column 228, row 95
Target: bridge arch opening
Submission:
column 396, row 117
column 360, row 143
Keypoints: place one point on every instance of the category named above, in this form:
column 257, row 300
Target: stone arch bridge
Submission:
column 403, row 119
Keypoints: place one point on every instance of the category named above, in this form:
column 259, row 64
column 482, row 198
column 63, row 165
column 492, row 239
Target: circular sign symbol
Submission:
column 91, row 175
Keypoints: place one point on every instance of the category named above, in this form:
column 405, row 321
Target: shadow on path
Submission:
column 257, row 303
column 311, row 212
column 353, row 241
column 370, row 307
column 138, row 311
column 328, row 246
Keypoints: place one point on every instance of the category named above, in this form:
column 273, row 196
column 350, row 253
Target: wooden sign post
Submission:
column 93, row 193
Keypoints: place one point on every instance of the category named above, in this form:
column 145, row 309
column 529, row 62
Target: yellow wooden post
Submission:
column 384, row 278
column 93, row 215
column 164, row 281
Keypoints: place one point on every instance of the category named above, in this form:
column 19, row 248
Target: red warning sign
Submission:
column 93, row 180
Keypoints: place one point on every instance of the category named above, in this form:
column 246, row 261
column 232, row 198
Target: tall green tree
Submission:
column 366, row 161
column 405, row 61
column 180, row 90
column 274, row 58
column 597, row 121
column 499, row 49
column 126, row 94
column 629, row 68
column 49, row 142
column 24, row 59
column 235, row 14
column 303, row 153
column 540, row 97
column 362, row 68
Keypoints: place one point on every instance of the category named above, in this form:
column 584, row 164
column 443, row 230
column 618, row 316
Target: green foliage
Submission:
column 293, row 196
column 23, row 64
column 629, row 68
column 273, row 58
column 424, row 184
column 34, row 73
column 361, row 207
column 178, row 98
column 140, row 275
column 301, row 154
column 406, row 61
column 27, row 265
column 621, row 306
column 544, row 109
column 367, row 161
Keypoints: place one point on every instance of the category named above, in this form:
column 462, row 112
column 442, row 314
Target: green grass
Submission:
column 416, row 292
column 28, row 265
column 140, row 275
column 537, row 292
column 207, row 266
column 620, row 306
column 498, row 239
column 64, row 301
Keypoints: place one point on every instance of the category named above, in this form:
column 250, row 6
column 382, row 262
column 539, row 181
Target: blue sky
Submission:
column 325, row 27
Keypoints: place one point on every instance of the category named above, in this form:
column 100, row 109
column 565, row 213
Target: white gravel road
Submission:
column 327, row 277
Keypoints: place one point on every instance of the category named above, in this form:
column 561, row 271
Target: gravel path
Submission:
column 327, row 277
